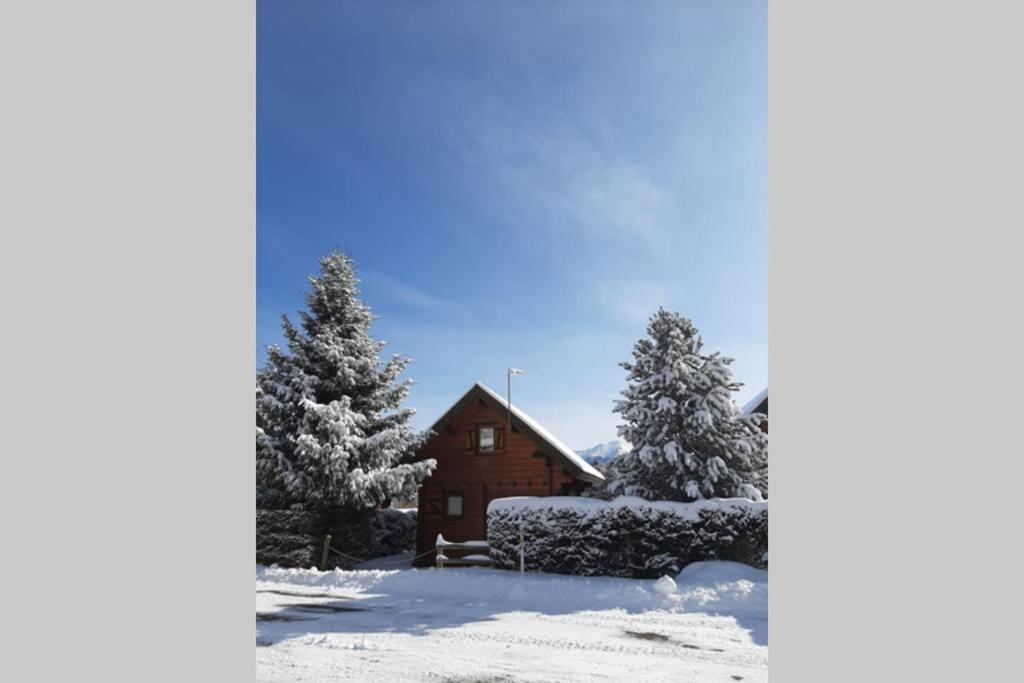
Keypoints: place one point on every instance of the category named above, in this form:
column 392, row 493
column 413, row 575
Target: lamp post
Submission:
column 510, row 372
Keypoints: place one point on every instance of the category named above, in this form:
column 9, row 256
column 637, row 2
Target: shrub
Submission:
column 291, row 538
column 286, row 538
column 395, row 531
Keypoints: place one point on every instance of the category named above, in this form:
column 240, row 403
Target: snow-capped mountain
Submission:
column 603, row 452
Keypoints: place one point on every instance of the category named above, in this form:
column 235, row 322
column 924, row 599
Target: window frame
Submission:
column 462, row 506
column 498, row 438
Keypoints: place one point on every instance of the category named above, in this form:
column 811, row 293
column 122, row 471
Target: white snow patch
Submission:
column 665, row 585
column 444, row 543
column 431, row 624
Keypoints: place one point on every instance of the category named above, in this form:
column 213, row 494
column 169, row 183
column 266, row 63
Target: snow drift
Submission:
column 711, row 587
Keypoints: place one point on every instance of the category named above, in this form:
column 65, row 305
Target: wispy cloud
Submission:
column 618, row 199
column 410, row 296
column 569, row 180
column 630, row 302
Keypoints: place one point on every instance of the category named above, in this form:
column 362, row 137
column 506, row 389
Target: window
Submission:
column 453, row 505
column 486, row 439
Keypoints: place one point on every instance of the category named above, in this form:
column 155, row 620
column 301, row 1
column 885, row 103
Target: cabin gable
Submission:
column 469, row 475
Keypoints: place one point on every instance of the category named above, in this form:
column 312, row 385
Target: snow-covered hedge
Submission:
column 627, row 536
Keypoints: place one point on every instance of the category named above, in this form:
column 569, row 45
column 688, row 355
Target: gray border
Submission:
column 127, row 267
column 895, row 340
column 127, row 282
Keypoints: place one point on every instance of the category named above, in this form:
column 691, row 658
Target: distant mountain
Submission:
column 603, row 452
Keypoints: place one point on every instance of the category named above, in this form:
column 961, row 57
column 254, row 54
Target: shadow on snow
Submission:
column 419, row 601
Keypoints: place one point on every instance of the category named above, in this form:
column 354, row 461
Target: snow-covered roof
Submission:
column 753, row 403
column 570, row 455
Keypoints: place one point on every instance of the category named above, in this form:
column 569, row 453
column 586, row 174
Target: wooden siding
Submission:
column 519, row 468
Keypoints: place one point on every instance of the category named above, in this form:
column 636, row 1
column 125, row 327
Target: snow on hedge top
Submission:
column 569, row 453
column 591, row 506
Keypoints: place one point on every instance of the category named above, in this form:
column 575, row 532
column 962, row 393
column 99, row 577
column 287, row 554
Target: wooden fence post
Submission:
column 323, row 557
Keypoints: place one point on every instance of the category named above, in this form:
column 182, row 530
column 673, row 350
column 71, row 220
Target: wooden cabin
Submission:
column 486, row 451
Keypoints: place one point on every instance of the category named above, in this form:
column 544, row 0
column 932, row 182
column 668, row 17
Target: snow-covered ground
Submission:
column 478, row 624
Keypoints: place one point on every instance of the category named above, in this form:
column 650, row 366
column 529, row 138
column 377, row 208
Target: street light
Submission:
column 510, row 372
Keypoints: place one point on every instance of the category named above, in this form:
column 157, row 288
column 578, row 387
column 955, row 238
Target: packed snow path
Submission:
column 489, row 625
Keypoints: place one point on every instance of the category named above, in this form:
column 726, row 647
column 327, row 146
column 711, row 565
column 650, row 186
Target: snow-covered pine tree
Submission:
column 330, row 430
column 690, row 441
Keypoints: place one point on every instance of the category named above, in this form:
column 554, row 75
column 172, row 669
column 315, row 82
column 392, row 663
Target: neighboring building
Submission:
column 479, row 458
column 758, row 404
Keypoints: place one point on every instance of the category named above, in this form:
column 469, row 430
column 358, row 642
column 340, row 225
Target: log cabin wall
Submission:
column 517, row 467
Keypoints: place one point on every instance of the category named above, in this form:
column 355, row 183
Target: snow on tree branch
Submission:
column 331, row 431
column 690, row 441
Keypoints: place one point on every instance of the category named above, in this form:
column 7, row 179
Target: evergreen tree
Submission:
column 690, row 441
column 330, row 430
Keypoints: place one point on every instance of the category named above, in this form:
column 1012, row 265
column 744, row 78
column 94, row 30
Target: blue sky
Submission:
column 522, row 184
